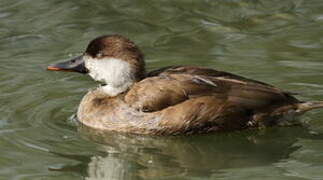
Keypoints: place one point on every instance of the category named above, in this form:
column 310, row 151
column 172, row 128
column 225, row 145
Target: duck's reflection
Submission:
column 144, row 157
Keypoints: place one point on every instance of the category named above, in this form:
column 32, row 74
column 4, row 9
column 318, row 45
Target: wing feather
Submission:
column 173, row 85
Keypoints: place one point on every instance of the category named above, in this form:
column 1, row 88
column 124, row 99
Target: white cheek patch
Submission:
column 115, row 73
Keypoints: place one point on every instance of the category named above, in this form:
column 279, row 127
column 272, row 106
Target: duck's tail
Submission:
column 286, row 115
column 306, row 106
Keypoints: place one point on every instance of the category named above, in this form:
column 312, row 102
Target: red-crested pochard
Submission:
column 173, row 100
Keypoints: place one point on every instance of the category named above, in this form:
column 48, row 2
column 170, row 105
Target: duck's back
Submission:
column 173, row 85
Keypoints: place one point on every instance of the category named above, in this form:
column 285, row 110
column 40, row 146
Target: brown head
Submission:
column 111, row 59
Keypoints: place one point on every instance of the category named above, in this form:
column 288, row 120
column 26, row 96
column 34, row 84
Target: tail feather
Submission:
column 306, row 106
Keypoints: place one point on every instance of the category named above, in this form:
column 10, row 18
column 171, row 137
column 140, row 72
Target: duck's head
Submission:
column 111, row 59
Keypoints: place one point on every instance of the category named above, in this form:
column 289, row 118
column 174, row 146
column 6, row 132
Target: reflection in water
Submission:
column 110, row 167
column 142, row 157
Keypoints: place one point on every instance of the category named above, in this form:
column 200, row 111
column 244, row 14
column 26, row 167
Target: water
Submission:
column 279, row 42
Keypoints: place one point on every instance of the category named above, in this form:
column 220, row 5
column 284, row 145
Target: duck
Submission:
column 173, row 100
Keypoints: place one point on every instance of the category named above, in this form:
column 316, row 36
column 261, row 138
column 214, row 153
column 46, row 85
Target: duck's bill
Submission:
column 73, row 65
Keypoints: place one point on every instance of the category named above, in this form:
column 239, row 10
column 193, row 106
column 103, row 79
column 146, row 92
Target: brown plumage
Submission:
column 180, row 99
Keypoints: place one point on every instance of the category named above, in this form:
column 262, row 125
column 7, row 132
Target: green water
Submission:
column 279, row 42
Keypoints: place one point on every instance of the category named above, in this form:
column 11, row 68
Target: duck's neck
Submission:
column 117, row 74
column 114, row 91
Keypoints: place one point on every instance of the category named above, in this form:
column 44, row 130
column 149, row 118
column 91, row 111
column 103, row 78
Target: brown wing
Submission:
column 204, row 72
column 172, row 85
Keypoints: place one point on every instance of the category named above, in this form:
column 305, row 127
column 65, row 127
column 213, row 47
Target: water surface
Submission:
column 279, row 42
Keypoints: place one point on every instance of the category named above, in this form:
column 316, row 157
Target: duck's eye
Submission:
column 73, row 61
